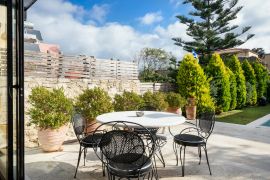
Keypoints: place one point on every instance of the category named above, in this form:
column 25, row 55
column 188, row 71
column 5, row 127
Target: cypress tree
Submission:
column 235, row 66
column 250, row 83
column 261, row 75
column 220, row 84
column 208, row 25
column 233, row 90
column 192, row 82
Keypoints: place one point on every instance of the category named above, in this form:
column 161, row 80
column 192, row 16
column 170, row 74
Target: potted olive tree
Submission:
column 91, row 103
column 176, row 102
column 51, row 112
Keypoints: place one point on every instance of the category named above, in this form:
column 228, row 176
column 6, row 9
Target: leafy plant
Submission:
column 220, row 84
column 128, row 101
column 49, row 108
column 250, row 83
column 93, row 102
column 156, row 100
column 235, row 66
column 175, row 100
column 192, row 82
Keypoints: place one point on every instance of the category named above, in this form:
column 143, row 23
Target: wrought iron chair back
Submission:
column 206, row 124
column 79, row 125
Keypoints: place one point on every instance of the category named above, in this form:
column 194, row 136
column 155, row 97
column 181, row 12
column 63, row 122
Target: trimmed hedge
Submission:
column 235, row 66
column 192, row 82
column 220, row 84
column 250, row 83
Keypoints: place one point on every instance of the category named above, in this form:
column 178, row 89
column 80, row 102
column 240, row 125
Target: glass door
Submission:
column 11, row 90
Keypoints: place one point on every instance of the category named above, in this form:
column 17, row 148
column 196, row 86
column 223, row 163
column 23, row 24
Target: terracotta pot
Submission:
column 191, row 112
column 52, row 139
column 192, row 101
column 91, row 128
column 174, row 110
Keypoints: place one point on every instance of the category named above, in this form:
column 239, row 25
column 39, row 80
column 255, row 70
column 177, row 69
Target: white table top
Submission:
column 149, row 119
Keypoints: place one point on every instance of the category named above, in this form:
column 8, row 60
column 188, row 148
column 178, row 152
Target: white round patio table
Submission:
column 150, row 119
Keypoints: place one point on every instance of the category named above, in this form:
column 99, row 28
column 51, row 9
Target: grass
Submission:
column 245, row 115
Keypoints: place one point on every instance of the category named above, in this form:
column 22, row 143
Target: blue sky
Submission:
column 119, row 29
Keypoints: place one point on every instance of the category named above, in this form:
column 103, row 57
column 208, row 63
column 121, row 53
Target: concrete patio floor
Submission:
column 235, row 152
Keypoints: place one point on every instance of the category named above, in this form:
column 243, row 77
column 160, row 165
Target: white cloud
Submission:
column 151, row 18
column 99, row 12
column 176, row 3
column 111, row 40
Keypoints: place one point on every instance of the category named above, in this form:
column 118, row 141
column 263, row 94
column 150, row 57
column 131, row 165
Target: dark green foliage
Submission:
column 233, row 90
column 192, row 82
column 93, row 102
column 175, row 100
column 49, row 108
column 250, row 83
column 220, row 84
column 208, row 25
column 156, row 100
column 128, row 101
column 268, row 90
column 261, row 75
column 235, row 66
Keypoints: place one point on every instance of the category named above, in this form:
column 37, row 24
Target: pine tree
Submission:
column 220, row 84
column 235, row 66
column 250, row 83
column 210, row 27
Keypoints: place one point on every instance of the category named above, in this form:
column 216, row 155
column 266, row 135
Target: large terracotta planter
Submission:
column 174, row 110
column 91, row 128
column 191, row 112
column 52, row 139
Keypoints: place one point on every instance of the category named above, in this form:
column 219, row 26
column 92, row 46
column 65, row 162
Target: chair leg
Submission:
column 79, row 158
column 155, row 167
column 183, row 164
column 205, row 150
column 180, row 154
column 102, row 164
column 200, row 154
column 84, row 156
column 175, row 152
column 162, row 159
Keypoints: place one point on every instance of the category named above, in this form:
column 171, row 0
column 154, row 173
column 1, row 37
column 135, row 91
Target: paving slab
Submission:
column 235, row 152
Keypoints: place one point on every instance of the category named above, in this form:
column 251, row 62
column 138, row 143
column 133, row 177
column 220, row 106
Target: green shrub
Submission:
column 49, row 108
column 235, row 66
column 233, row 87
column 156, row 100
column 268, row 90
column 175, row 100
column 250, row 83
column 261, row 75
column 128, row 101
column 93, row 102
column 192, row 82
column 220, row 84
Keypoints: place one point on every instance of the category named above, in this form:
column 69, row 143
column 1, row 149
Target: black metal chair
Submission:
column 126, row 154
column 86, row 140
column 195, row 137
column 160, row 140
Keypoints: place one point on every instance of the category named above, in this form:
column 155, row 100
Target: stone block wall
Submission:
column 72, row 88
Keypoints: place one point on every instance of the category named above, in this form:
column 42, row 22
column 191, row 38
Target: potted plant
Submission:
column 156, row 100
column 176, row 102
column 91, row 103
column 128, row 101
column 191, row 108
column 51, row 112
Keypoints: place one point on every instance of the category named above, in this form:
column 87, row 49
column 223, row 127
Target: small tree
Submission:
column 250, row 83
column 220, row 84
column 128, row 101
column 235, row 65
column 233, row 90
column 261, row 75
column 192, row 82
